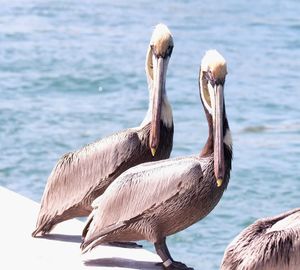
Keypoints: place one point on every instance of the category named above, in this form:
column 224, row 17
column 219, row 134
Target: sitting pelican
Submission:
column 154, row 200
column 268, row 244
column 81, row 176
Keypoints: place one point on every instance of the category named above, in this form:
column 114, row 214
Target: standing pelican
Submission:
column 154, row 200
column 268, row 244
column 80, row 177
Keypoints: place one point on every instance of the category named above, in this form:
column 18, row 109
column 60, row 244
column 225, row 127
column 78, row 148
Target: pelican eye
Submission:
column 169, row 51
column 162, row 55
column 220, row 81
column 153, row 50
column 210, row 78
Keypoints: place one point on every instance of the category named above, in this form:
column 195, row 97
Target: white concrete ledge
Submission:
column 60, row 250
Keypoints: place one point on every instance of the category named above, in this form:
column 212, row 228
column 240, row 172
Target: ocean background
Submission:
column 72, row 72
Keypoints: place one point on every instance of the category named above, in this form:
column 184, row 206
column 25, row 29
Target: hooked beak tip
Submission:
column 219, row 182
column 153, row 151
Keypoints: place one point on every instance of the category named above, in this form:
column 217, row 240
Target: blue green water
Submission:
column 73, row 71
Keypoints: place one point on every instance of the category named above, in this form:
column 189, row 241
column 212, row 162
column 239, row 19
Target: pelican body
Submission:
column 268, row 244
column 154, row 200
column 81, row 176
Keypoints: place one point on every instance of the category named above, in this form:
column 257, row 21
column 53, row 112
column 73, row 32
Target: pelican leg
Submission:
column 163, row 252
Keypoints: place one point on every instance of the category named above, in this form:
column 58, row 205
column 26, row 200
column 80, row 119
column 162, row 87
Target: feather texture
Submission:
column 80, row 177
column 153, row 200
column 269, row 243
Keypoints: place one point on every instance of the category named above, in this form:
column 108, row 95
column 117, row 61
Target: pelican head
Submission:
column 158, row 55
column 212, row 78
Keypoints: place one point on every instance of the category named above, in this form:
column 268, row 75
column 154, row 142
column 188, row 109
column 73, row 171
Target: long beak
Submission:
column 159, row 77
column 219, row 161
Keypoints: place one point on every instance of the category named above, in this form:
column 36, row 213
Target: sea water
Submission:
column 72, row 72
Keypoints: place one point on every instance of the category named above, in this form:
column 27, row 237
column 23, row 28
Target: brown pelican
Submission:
column 81, row 176
column 154, row 200
column 268, row 244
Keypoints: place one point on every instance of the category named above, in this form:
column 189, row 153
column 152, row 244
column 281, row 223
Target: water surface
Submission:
column 72, row 72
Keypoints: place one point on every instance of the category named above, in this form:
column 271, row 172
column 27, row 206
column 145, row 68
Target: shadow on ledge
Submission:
column 62, row 237
column 123, row 263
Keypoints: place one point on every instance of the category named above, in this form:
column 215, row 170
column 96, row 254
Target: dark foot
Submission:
column 126, row 244
column 175, row 265
column 179, row 265
column 163, row 252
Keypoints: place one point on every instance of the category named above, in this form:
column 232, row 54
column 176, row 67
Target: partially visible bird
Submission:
column 81, row 176
column 271, row 243
column 154, row 200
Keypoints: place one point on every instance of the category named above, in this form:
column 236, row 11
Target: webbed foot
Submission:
column 175, row 266
column 164, row 254
column 179, row 265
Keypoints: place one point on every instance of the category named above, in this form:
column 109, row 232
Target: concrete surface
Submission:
column 60, row 250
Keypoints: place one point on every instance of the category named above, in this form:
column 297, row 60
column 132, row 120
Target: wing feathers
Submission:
column 141, row 189
column 80, row 173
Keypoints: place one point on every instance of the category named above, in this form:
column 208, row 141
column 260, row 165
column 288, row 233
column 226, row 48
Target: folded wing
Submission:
column 138, row 190
column 87, row 170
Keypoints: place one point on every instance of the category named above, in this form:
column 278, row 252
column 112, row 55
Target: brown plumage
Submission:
column 81, row 176
column 154, row 200
column 268, row 244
